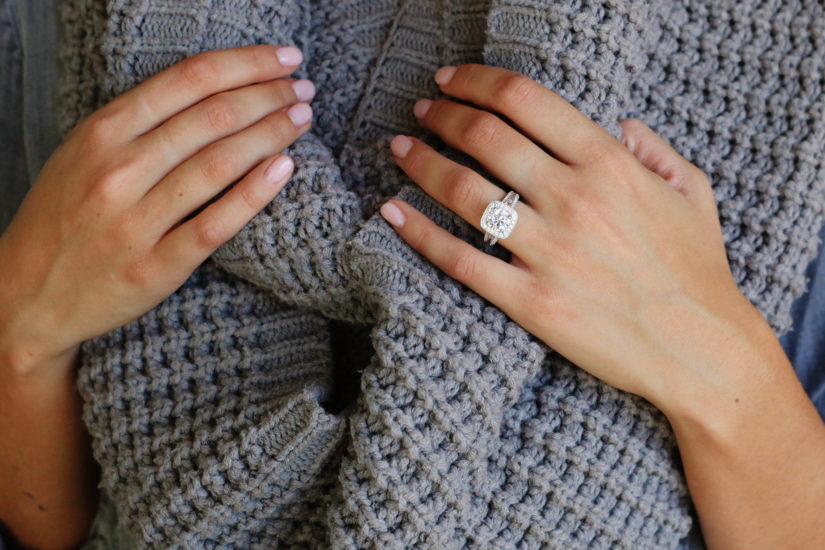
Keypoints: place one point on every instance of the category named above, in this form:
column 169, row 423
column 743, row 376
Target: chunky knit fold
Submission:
column 216, row 418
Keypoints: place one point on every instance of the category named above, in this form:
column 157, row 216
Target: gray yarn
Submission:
column 216, row 416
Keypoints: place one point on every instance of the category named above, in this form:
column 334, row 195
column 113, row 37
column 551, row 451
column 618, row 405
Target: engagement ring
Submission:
column 499, row 218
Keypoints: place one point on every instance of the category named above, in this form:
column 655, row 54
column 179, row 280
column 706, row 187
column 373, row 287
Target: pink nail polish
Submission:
column 278, row 169
column 444, row 75
column 300, row 114
column 290, row 56
column 401, row 146
column 422, row 108
column 393, row 214
column 304, row 90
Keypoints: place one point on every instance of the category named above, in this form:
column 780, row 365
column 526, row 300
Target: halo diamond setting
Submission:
column 499, row 218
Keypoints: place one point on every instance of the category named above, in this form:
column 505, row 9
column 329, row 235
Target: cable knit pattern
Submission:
column 213, row 415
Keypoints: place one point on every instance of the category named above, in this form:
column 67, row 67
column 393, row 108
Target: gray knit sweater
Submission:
column 320, row 384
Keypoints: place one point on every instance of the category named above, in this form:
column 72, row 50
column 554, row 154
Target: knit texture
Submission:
column 219, row 418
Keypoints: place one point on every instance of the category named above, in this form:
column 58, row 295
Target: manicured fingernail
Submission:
column 444, row 75
column 278, row 169
column 422, row 107
column 393, row 214
column 300, row 114
column 400, row 146
column 289, row 56
column 304, row 89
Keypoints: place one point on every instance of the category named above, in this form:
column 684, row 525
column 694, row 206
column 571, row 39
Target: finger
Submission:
column 188, row 245
column 467, row 194
column 210, row 171
column 483, row 273
column 508, row 155
column 659, row 157
column 216, row 117
column 540, row 113
column 147, row 105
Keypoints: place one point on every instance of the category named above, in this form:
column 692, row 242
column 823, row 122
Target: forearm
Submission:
column 47, row 471
column 753, row 449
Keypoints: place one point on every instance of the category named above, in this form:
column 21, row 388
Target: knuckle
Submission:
column 198, row 69
column 278, row 125
column 482, row 130
column 263, row 57
column 282, row 92
column 210, row 234
column 252, row 197
column 436, row 113
column 468, row 74
column 167, row 139
column 217, row 164
column 586, row 206
column 105, row 191
column 515, row 89
column 222, row 114
column 108, row 187
column 544, row 298
column 101, row 127
column 419, row 237
column 461, row 266
column 141, row 272
column 609, row 155
column 597, row 151
column 414, row 160
column 464, row 189
column 125, row 231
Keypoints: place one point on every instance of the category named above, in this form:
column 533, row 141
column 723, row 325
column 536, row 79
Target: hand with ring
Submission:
column 618, row 261
column 619, row 264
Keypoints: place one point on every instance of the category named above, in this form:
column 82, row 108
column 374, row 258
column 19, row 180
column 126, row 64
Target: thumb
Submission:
column 659, row 157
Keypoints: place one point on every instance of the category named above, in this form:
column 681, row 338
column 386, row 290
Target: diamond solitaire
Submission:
column 499, row 218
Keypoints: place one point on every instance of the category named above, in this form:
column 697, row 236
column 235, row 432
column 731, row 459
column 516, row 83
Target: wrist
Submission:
column 26, row 344
column 733, row 379
column 29, row 339
column 21, row 363
column 746, row 424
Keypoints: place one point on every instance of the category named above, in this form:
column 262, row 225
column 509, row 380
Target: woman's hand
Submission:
column 618, row 261
column 112, row 227
column 105, row 233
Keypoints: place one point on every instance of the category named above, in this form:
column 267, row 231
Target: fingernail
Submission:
column 304, row 90
column 400, row 146
column 392, row 214
column 289, row 56
column 300, row 114
column 278, row 169
column 422, row 107
column 444, row 75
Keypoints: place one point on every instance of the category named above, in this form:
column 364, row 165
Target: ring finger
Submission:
column 467, row 194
